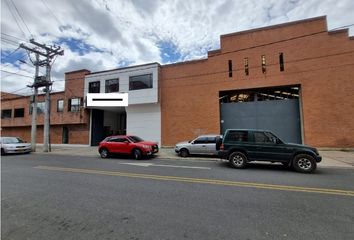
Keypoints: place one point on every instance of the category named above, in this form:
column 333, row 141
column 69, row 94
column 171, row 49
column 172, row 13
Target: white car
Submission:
column 202, row 145
column 14, row 145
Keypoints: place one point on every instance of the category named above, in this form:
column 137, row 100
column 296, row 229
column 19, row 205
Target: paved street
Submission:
column 48, row 196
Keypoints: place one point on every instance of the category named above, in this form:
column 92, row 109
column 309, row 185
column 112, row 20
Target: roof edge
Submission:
column 275, row 26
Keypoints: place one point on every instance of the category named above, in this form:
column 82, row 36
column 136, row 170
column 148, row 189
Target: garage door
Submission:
column 279, row 114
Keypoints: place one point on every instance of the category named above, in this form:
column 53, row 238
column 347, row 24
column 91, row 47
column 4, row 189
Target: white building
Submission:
column 142, row 116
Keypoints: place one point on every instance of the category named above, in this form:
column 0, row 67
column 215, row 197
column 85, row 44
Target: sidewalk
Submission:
column 330, row 158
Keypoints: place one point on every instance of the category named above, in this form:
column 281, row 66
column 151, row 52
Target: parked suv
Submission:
column 241, row 146
column 203, row 145
column 130, row 145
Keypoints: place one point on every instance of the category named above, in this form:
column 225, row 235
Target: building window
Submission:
column 60, row 105
column 6, row 113
column 94, row 87
column 140, row 82
column 263, row 64
column 40, row 108
column 112, row 85
column 281, row 62
column 19, row 112
column 74, row 104
column 230, row 68
column 245, row 60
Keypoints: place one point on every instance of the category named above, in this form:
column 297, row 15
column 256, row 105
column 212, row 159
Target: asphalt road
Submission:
column 67, row 197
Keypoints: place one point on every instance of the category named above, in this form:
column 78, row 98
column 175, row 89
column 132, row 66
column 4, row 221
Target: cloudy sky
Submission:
column 104, row 34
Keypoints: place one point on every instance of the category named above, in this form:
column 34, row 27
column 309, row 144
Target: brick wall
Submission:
column 322, row 63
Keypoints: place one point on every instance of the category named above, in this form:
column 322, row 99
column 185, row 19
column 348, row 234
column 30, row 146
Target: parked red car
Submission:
column 130, row 145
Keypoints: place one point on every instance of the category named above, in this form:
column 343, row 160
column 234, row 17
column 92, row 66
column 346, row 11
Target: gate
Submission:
column 279, row 116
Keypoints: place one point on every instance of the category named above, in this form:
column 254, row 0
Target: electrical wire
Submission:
column 16, row 74
column 13, row 15
column 21, row 18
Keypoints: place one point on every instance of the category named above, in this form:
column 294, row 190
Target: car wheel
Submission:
column 104, row 153
column 2, row 151
column 238, row 160
column 184, row 153
column 137, row 154
column 304, row 163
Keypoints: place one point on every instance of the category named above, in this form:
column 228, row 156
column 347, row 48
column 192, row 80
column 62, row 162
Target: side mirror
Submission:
column 278, row 141
column 126, row 141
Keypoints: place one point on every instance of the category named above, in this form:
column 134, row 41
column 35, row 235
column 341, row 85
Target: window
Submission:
column 281, row 62
column 245, row 60
column 40, row 108
column 140, row 82
column 60, row 105
column 6, row 113
column 94, row 87
column 230, row 68
column 211, row 139
column 74, row 104
column 237, row 136
column 263, row 64
column 112, row 85
column 19, row 112
column 264, row 137
column 117, row 140
column 201, row 140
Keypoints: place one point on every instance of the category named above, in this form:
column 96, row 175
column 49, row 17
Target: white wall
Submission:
column 144, row 120
column 149, row 95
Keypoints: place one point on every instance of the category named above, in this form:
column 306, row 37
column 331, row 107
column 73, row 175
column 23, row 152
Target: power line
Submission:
column 45, row 4
column 13, row 15
column 8, row 35
column 16, row 74
column 21, row 18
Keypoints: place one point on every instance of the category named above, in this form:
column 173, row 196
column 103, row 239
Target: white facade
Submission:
column 143, row 113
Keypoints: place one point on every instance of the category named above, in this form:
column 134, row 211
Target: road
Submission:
column 70, row 197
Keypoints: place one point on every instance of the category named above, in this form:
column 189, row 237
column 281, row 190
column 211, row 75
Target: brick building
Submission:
column 68, row 119
column 296, row 79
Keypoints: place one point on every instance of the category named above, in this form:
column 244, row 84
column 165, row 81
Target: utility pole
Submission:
column 34, row 107
column 48, row 52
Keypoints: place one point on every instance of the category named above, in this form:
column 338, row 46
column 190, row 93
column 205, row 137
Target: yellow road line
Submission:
column 203, row 180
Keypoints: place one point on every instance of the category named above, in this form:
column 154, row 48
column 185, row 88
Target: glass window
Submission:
column 201, row 140
column 264, row 137
column 74, row 104
column 6, row 113
column 112, row 85
column 237, row 136
column 246, row 66
column 60, row 105
column 40, row 108
column 281, row 62
column 117, row 139
column 19, row 112
column 263, row 63
column 94, row 87
column 211, row 139
column 140, row 82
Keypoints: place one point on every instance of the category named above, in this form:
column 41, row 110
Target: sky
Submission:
column 106, row 34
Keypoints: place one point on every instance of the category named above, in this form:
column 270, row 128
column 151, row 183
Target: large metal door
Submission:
column 280, row 116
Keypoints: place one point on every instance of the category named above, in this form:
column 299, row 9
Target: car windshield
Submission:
column 12, row 140
column 135, row 139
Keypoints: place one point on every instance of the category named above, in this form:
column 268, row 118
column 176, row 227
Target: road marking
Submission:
column 203, row 180
column 163, row 165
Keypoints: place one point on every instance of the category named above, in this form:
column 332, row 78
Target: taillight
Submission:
column 222, row 147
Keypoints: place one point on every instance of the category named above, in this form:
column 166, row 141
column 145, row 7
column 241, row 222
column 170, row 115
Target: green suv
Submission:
column 241, row 146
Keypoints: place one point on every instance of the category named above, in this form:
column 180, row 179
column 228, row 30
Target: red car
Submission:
column 131, row 145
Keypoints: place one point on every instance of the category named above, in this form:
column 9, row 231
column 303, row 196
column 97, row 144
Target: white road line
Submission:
column 163, row 165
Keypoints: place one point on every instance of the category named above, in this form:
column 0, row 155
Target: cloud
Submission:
column 104, row 34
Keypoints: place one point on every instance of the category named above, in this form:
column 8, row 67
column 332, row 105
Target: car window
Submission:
column 261, row 137
column 237, row 136
column 201, row 140
column 135, row 139
column 12, row 140
column 117, row 139
column 211, row 139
